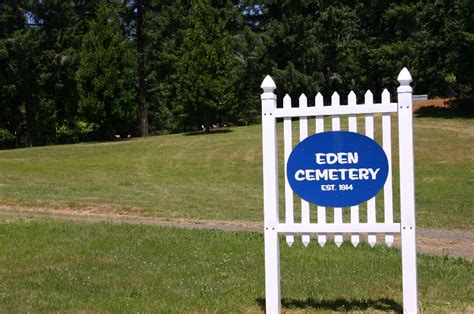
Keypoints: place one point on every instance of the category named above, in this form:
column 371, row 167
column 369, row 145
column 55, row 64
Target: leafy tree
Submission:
column 106, row 77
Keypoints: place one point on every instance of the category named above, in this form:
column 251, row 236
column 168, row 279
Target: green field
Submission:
column 218, row 176
column 58, row 266
column 51, row 266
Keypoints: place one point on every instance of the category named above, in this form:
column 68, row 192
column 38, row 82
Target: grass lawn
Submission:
column 218, row 176
column 78, row 267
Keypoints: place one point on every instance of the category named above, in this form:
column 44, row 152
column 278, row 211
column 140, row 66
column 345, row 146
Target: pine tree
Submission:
column 206, row 69
column 143, row 107
column 107, row 77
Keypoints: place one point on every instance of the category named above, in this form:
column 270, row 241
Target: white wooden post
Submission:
column 270, row 197
column 407, row 193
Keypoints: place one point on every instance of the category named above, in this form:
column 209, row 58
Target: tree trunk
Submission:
column 144, row 129
column 30, row 119
column 207, row 125
column 109, row 131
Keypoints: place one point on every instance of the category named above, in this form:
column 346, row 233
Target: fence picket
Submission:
column 336, row 126
column 369, row 131
column 319, row 103
column 387, row 147
column 303, row 103
column 288, row 146
column 352, row 101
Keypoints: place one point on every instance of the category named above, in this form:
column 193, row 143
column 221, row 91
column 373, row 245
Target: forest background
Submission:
column 81, row 70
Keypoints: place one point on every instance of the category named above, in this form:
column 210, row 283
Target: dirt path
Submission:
column 450, row 243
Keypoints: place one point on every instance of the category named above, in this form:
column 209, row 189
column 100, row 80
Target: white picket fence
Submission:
column 315, row 222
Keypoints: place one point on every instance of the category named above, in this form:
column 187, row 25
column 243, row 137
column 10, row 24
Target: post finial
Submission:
column 268, row 85
column 404, row 77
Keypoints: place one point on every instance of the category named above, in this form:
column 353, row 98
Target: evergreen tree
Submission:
column 165, row 23
column 338, row 31
column 106, row 77
column 69, row 70
column 441, row 61
column 293, row 50
column 143, row 107
column 61, row 48
column 21, row 56
column 207, row 67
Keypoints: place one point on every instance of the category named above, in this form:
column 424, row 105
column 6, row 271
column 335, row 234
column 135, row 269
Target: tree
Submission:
column 165, row 22
column 339, row 31
column 107, row 77
column 439, row 47
column 59, row 99
column 293, row 50
column 144, row 128
column 21, row 55
column 206, row 69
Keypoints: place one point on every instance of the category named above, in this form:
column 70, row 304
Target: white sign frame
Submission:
column 273, row 227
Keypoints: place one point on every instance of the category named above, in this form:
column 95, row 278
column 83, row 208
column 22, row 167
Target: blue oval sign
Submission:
column 337, row 169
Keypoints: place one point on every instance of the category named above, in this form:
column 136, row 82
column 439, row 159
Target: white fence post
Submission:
column 270, row 197
column 407, row 193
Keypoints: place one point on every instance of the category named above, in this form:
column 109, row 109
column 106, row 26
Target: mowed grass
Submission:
column 52, row 266
column 219, row 176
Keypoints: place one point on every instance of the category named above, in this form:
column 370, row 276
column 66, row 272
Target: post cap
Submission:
column 268, row 85
column 404, row 77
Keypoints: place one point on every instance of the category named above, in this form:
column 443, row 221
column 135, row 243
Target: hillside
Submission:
column 216, row 176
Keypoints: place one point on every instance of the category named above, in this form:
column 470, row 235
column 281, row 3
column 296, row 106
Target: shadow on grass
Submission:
column 338, row 305
column 459, row 108
column 220, row 131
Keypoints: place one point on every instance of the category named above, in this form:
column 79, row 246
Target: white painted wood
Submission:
column 407, row 193
column 352, row 101
column 270, row 197
column 369, row 131
column 322, row 238
column 329, row 111
column 335, row 104
column 336, row 126
column 288, row 146
column 339, row 228
column 303, row 103
column 319, row 103
column 387, row 147
column 272, row 226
